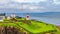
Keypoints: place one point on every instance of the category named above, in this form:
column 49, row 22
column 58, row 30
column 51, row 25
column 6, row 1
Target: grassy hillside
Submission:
column 36, row 27
column 58, row 31
column 31, row 26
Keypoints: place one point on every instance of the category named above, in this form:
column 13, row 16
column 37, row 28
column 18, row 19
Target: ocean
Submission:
column 53, row 18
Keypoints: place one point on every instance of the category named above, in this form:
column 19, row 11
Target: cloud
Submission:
column 32, row 7
column 4, row 1
column 41, row 6
column 57, row 1
column 29, row 0
column 19, row 0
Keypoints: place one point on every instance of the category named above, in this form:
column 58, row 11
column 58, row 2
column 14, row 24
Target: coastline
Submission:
column 58, row 27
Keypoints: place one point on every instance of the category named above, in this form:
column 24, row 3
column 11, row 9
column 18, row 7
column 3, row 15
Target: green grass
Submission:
column 58, row 31
column 34, row 27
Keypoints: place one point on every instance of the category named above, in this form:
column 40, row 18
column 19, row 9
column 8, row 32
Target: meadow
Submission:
column 31, row 26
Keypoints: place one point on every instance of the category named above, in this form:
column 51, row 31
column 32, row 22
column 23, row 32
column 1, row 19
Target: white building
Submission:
column 2, row 17
column 13, row 15
column 8, row 17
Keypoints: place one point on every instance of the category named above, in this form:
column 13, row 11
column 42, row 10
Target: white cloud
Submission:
column 30, row 7
column 36, row 7
column 28, row 0
column 57, row 1
column 24, row 6
column 33, row 7
column 19, row 0
column 4, row 1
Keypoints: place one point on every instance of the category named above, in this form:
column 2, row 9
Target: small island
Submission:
column 20, row 25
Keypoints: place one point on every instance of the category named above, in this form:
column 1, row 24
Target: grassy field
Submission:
column 33, row 27
column 58, row 31
column 36, row 27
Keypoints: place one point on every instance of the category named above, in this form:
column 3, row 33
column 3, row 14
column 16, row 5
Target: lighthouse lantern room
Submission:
column 27, row 16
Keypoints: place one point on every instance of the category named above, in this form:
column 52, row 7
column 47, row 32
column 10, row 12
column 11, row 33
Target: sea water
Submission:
column 48, row 18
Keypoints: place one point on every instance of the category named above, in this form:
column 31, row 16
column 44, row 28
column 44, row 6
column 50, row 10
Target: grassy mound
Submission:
column 34, row 27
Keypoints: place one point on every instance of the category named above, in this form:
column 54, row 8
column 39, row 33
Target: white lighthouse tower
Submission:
column 27, row 16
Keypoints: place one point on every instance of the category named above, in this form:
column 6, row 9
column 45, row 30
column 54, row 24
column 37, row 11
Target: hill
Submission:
column 31, row 26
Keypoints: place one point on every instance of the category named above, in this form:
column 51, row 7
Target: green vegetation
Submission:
column 58, row 31
column 31, row 26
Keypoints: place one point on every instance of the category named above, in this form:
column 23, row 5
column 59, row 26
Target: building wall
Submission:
column 1, row 18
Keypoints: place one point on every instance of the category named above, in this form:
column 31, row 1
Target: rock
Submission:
column 9, row 30
column 2, row 30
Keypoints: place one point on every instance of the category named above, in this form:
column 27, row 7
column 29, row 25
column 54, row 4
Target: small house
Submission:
column 13, row 16
column 2, row 17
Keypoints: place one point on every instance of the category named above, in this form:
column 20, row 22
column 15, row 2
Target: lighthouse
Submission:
column 27, row 16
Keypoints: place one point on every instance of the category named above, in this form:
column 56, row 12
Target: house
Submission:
column 8, row 17
column 2, row 17
column 11, row 16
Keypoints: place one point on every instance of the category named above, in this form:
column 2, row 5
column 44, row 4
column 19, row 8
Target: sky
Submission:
column 29, row 5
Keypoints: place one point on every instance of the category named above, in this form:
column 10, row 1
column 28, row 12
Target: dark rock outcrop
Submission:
column 9, row 30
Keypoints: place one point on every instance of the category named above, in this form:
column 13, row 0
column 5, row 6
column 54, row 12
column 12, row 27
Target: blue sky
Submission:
column 30, row 5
